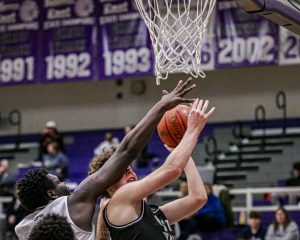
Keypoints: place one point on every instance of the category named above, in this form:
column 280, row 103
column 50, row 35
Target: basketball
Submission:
column 173, row 124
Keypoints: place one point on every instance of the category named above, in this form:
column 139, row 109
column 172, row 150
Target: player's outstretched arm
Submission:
column 174, row 164
column 93, row 186
column 188, row 205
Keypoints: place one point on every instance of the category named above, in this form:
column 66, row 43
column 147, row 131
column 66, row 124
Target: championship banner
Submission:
column 209, row 44
column 19, row 40
column 67, row 46
column 124, row 43
column 289, row 47
column 244, row 39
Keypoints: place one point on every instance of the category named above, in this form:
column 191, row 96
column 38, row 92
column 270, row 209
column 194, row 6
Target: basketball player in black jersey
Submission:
column 129, row 217
column 43, row 193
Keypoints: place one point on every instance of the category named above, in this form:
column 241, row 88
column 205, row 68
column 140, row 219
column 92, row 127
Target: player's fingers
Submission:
column 184, row 85
column 204, row 108
column 186, row 100
column 168, row 148
column 165, row 92
column 186, row 90
column 195, row 104
column 178, row 85
column 210, row 112
column 199, row 106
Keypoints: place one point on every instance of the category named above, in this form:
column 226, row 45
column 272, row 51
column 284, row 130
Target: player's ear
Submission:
column 51, row 194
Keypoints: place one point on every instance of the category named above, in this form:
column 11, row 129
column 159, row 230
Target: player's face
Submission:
column 129, row 176
column 61, row 188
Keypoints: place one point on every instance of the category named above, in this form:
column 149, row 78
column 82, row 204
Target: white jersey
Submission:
column 59, row 207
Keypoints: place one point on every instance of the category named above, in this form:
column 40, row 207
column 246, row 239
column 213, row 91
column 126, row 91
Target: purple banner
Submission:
column 289, row 47
column 67, row 49
column 244, row 39
column 19, row 34
column 72, row 40
column 124, row 43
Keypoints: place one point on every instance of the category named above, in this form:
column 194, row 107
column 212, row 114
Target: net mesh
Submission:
column 177, row 30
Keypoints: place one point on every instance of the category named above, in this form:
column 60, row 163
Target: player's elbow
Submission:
column 203, row 200
column 199, row 200
column 172, row 171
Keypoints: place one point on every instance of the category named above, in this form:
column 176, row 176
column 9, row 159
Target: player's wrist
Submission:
column 193, row 129
column 192, row 134
column 162, row 106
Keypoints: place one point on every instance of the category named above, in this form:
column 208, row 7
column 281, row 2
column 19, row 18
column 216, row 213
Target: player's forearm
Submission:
column 138, row 137
column 196, row 187
column 181, row 154
column 129, row 148
column 188, row 205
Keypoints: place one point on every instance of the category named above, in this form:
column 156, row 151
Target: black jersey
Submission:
column 151, row 224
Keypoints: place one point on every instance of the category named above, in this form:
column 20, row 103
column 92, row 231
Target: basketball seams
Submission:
column 183, row 123
column 167, row 128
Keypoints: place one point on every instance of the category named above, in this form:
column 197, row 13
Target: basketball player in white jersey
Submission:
column 43, row 193
column 127, row 215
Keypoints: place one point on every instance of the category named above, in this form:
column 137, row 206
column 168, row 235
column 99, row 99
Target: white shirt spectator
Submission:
column 290, row 233
column 107, row 144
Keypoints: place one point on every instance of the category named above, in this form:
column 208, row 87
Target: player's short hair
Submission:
column 52, row 227
column 32, row 189
column 254, row 215
column 98, row 161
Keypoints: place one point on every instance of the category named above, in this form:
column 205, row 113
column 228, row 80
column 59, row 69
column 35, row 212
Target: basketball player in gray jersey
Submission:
column 128, row 216
column 43, row 193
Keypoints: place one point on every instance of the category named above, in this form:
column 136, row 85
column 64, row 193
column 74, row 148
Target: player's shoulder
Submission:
column 125, row 192
column 57, row 201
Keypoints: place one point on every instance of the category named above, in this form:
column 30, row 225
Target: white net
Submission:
column 177, row 30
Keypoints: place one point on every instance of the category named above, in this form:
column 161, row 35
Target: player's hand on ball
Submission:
column 199, row 115
column 176, row 97
column 170, row 149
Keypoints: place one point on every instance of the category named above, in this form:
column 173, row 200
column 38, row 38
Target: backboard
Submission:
column 286, row 13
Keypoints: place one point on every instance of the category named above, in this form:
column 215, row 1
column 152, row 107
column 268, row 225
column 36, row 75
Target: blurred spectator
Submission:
column 7, row 179
column 188, row 226
column 50, row 134
column 211, row 217
column 15, row 214
column 226, row 199
column 184, row 188
column 282, row 228
column 295, row 179
column 55, row 161
column 127, row 129
column 254, row 230
column 107, row 144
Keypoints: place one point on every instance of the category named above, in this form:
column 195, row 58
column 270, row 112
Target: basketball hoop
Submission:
column 177, row 30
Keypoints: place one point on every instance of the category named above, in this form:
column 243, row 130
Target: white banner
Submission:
column 289, row 47
column 208, row 45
